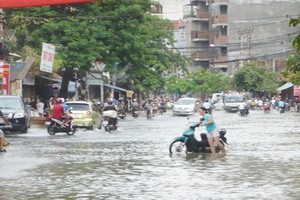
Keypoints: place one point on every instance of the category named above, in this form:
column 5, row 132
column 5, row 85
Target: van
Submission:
column 232, row 102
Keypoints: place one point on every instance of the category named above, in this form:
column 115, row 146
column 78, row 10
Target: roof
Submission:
column 285, row 86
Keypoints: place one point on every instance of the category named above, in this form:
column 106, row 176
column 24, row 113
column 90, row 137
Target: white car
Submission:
column 185, row 106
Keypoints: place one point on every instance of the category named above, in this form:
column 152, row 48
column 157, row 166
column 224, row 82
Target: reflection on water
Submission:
column 261, row 162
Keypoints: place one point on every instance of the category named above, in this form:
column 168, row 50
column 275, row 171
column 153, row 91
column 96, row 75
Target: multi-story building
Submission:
column 223, row 35
column 206, row 28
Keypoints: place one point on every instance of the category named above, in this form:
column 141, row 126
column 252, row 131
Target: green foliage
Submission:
column 255, row 79
column 292, row 68
column 199, row 81
column 121, row 33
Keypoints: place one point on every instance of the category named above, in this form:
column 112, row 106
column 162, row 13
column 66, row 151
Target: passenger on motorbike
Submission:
column 212, row 130
column 110, row 106
column 2, row 136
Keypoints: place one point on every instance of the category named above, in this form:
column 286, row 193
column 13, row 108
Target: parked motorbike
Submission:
column 188, row 143
column 58, row 126
column 110, row 120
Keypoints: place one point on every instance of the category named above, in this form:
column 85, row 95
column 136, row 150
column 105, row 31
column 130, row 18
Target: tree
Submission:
column 292, row 69
column 254, row 78
column 202, row 81
column 121, row 33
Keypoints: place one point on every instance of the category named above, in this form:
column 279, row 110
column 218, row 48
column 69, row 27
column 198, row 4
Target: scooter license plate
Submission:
column 105, row 123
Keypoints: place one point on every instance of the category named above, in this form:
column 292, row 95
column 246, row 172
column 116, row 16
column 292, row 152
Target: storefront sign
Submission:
column 296, row 90
column 47, row 58
column 4, row 78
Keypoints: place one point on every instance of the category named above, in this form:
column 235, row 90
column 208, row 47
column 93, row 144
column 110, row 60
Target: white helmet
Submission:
column 206, row 105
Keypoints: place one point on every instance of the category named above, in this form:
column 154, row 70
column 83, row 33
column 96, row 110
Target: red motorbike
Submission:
column 267, row 107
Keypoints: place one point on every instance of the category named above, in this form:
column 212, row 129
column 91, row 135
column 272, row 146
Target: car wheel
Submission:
column 25, row 129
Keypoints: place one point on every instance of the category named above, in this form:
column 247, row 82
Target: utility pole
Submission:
column 245, row 38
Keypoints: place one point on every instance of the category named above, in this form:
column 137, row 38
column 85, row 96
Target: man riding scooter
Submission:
column 110, row 113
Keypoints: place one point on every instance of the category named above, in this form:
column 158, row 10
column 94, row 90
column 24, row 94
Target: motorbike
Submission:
column 162, row 108
column 110, row 120
column 5, row 142
column 188, row 143
column 121, row 113
column 58, row 126
column 267, row 108
column 244, row 112
column 149, row 113
column 135, row 112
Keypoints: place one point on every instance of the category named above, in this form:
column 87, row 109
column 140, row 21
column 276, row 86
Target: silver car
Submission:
column 185, row 106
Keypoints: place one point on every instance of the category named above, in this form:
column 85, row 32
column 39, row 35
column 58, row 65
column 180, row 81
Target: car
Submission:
column 86, row 114
column 185, row 106
column 17, row 113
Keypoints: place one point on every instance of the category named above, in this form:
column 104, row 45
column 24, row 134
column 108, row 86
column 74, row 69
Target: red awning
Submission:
column 34, row 3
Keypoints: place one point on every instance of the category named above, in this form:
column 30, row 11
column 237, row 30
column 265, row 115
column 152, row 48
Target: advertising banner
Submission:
column 4, row 78
column 33, row 3
column 47, row 58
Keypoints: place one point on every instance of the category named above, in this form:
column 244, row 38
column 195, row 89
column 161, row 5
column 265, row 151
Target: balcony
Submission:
column 200, row 56
column 220, row 59
column 220, row 20
column 202, row 14
column 199, row 36
column 219, row 40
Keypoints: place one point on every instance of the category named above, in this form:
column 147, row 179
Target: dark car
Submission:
column 17, row 113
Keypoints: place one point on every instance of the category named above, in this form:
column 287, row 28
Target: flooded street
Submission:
column 262, row 161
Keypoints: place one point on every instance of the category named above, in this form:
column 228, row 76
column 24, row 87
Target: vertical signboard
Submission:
column 4, row 78
column 47, row 58
column 296, row 90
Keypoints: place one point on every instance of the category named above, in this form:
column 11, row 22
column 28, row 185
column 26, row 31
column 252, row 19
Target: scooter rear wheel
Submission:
column 177, row 147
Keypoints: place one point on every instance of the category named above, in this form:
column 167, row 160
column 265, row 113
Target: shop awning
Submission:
column 285, row 86
column 115, row 87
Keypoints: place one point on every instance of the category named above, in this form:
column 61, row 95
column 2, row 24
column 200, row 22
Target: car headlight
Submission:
column 19, row 115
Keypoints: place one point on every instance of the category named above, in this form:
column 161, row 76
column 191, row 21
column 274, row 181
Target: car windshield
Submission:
column 10, row 103
column 185, row 102
column 79, row 106
column 234, row 99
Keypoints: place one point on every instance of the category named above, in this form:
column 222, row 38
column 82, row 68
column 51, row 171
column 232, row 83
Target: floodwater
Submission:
column 262, row 161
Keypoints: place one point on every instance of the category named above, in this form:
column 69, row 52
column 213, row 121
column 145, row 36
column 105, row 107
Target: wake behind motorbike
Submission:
column 58, row 126
column 110, row 120
column 188, row 143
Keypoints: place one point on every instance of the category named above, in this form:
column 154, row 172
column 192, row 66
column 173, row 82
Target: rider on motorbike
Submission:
column 148, row 106
column 135, row 105
column 108, row 107
column 58, row 110
column 2, row 136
